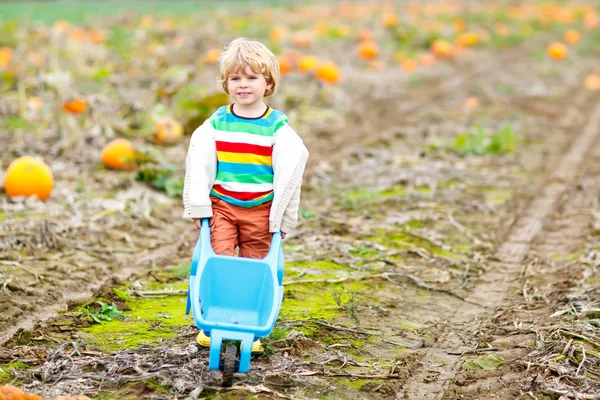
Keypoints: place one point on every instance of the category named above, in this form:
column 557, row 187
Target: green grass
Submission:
column 81, row 12
column 479, row 141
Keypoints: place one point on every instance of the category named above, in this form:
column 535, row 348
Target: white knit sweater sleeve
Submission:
column 290, row 215
column 200, row 171
column 289, row 159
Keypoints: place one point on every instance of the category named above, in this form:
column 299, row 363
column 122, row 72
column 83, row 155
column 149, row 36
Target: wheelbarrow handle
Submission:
column 274, row 256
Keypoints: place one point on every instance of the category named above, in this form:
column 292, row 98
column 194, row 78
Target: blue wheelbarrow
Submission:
column 235, row 299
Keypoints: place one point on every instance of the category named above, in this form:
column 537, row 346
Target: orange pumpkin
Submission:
column 75, row 106
column 365, row 35
column 467, row 39
column 118, row 154
column 168, row 131
column 328, row 72
column 212, row 56
column 278, row 33
column 368, row 50
column 35, row 103
column 427, row 59
column 389, row 20
column 572, row 36
column 285, row 65
column 77, row 34
column 301, row 39
column 460, row 25
column 321, row 28
column 6, row 54
column 307, row 63
column 293, row 55
column 96, row 36
column 27, row 176
column 408, row 65
column 442, row 48
column 11, row 392
column 557, row 51
column 470, row 102
column 591, row 20
column 61, row 26
column 592, row 82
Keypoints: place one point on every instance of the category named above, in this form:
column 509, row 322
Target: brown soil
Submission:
column 462, row 257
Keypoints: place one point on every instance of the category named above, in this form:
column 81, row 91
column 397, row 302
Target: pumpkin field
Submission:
column 448, row 242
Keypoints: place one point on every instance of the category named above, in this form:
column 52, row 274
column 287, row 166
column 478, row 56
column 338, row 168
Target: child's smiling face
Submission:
column 247, row 88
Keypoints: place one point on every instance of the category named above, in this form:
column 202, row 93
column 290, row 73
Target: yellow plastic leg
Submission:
column 204, row 341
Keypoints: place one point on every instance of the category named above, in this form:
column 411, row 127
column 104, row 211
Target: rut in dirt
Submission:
column 441, row 363
column 548, row 322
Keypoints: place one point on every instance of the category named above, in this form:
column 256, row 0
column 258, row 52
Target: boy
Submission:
column 245, row 163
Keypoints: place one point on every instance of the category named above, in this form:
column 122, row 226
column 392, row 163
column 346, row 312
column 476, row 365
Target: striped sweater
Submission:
column 244, row 156
column 288, row 161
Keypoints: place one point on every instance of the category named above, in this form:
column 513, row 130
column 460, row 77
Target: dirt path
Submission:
column 443, row 361
column 556, row 278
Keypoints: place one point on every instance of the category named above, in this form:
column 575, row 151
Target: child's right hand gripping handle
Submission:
column 276, row 255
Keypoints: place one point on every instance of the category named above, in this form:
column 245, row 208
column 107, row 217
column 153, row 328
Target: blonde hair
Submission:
column 241, row 53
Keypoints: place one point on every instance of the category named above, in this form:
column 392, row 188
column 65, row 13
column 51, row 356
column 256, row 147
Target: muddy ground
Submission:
column 415, row 273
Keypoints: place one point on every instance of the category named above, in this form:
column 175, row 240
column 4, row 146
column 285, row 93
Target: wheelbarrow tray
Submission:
column 238, row 294
column 234, row 298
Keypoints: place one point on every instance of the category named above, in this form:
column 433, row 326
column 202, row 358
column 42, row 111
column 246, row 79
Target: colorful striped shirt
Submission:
column 244, row 149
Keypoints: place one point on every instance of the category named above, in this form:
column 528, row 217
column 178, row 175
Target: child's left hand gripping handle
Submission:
column 202, row 245
column 205, row 233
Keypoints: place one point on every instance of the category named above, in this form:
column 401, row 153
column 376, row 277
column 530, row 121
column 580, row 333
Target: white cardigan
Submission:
column 288, row 159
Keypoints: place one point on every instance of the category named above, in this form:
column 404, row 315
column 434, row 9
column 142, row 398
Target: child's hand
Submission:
column 197, row 223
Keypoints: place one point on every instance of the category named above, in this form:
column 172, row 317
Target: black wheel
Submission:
column 229, row 364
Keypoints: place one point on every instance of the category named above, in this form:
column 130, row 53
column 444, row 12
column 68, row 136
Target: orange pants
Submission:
column 247, row 228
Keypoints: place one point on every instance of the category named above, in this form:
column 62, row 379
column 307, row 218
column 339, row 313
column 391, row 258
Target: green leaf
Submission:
column 96, row 320
column 480, row 142
column 120, row 41
column 308, row 214
column 496, row 144
column 460, row 144
column 197, row 110
column 15, row 123
column 488, row 362
column 106, row 313
column 174, row 186
column 508, row 139
column 102, row 73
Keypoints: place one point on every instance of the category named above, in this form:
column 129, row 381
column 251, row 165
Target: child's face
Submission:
column 247, row 88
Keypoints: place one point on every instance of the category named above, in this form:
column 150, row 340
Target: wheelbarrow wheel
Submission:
column 229, row 363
